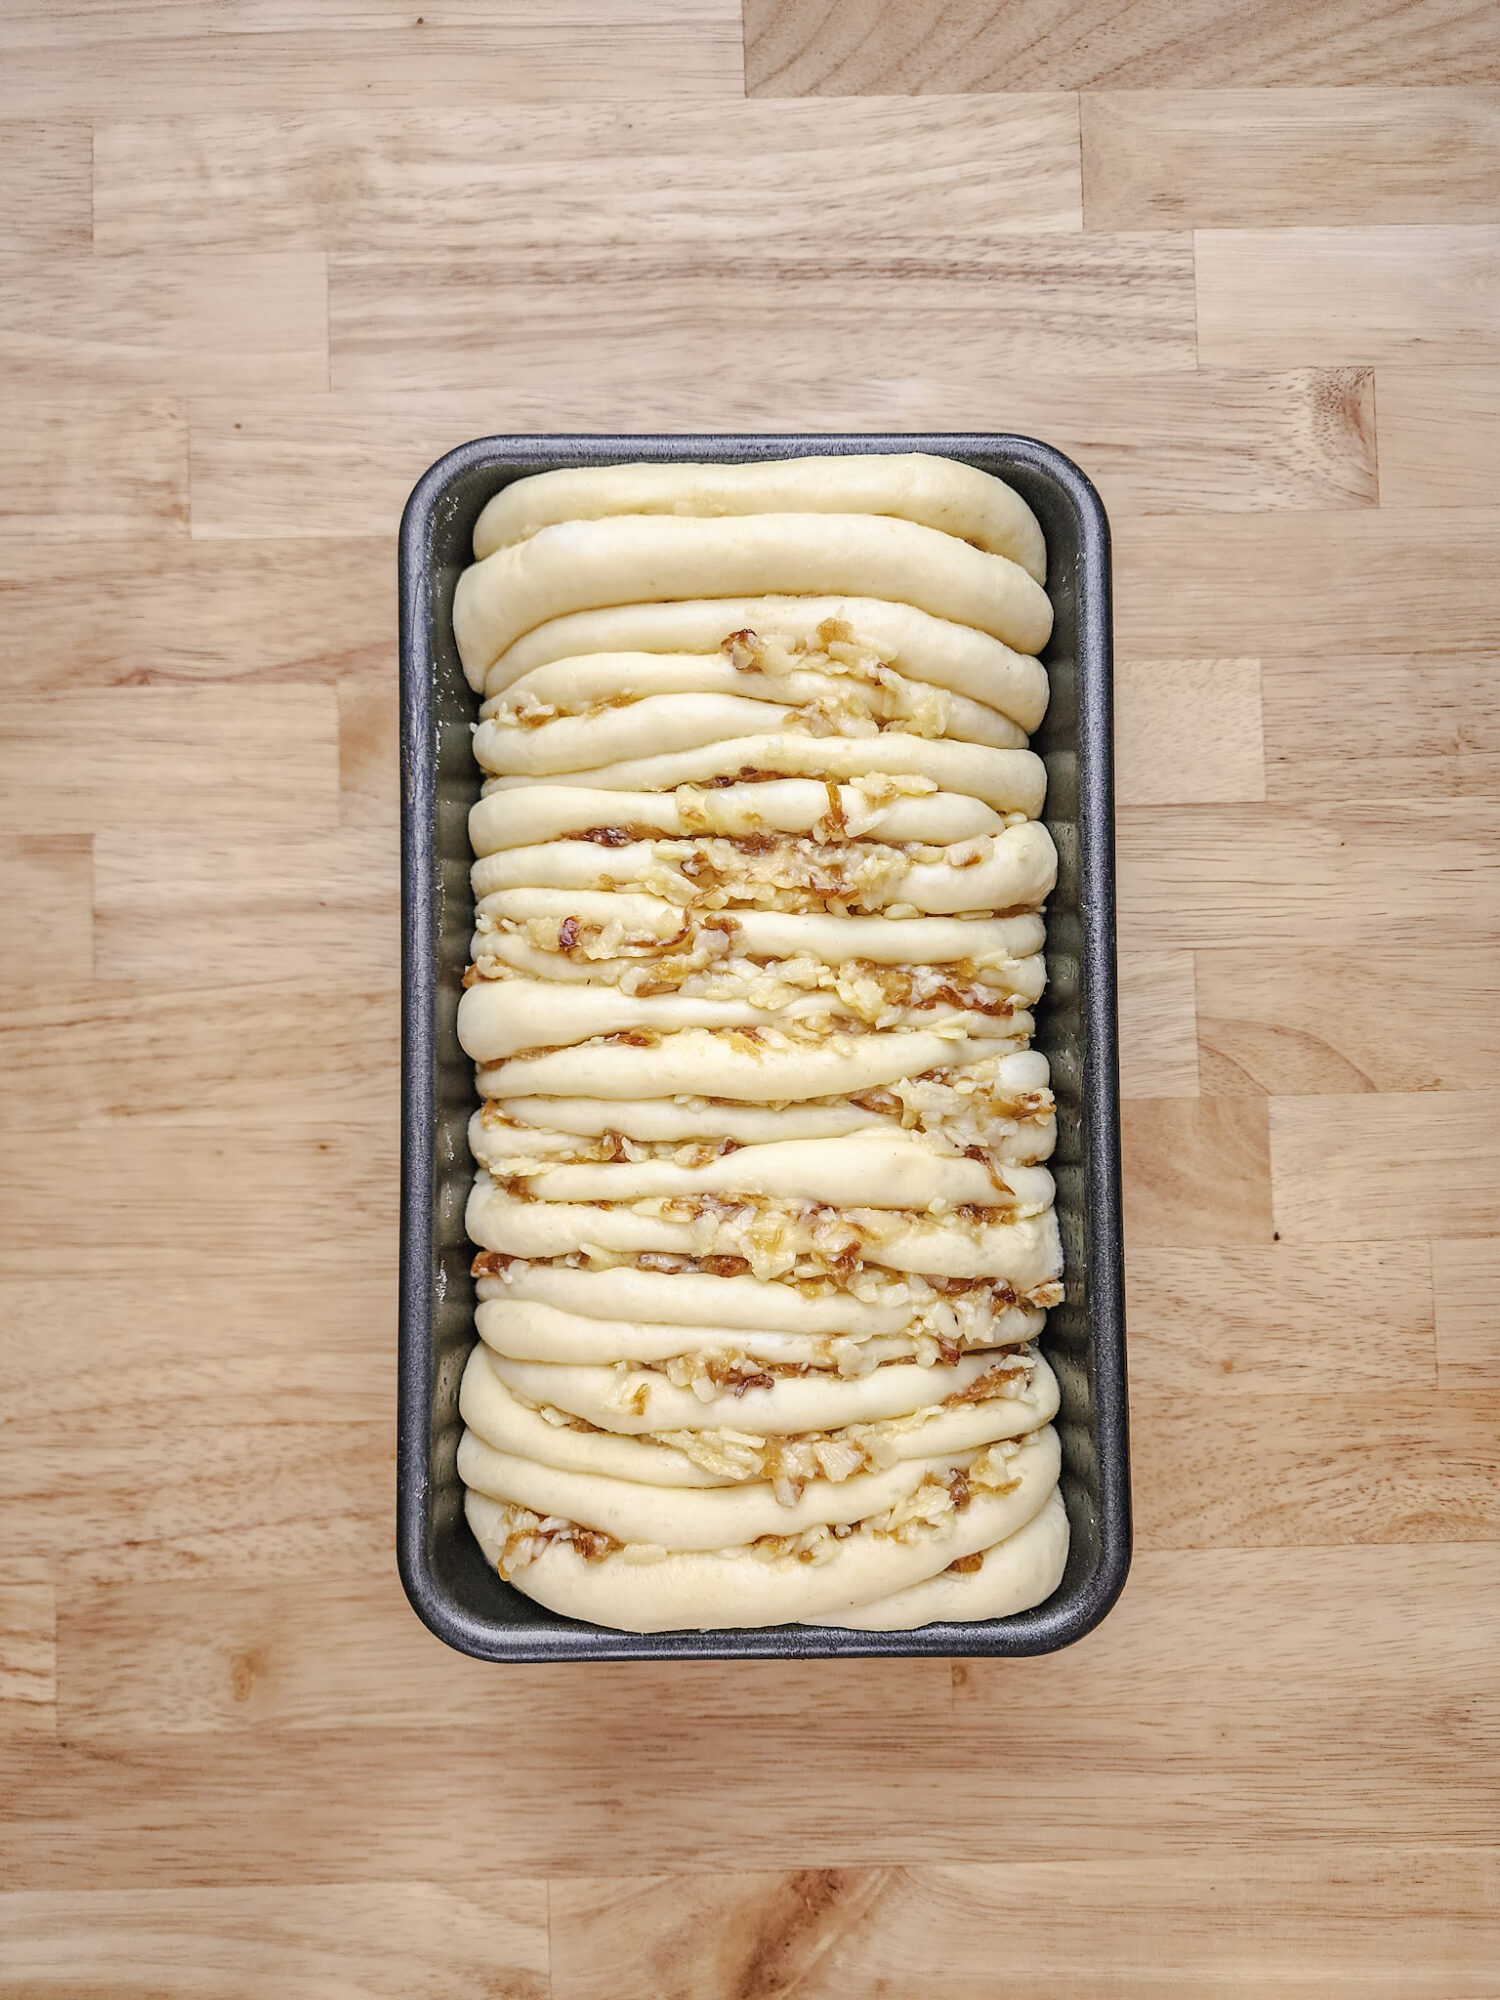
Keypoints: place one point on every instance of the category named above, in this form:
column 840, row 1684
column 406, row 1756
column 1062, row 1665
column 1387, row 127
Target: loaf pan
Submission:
column 451, row 1586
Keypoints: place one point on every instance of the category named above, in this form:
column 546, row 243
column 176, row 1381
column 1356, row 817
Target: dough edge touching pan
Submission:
column 1014, row 1575
column 661, row 1481
column 937, row 492
column 699, row 1591
column 588, row 565
column 918, row 644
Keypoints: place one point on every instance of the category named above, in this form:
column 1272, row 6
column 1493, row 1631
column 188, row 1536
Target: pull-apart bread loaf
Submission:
column 765, row 1226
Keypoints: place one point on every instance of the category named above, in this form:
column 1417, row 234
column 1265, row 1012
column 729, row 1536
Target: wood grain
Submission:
column 49, row 886
column 46, row 170
column 649, row 175
column 1226, row 159
column 110, row 1355
column 1357, row 1169
column 73, row 466
column 303, row 1050
column 1414, row 726
column 1188, row 732
column 1106, row 303
column 1464, row 1281
column 1280, row 1318
column 278, row 1499
column 844, row 46
column 210, row 1656
column 160, row 757
column 1439, row 433
column 1195, row 1926
column 391, row 1938
column 67, row 57
column 1394, row 581
column 369, row 751
column 1101, row 1751
column 1303, row 1686
column 85, row 615
column 259, row 266
column 1277, row 877
column 318, row 1196
column 1197, row 1171
column 194, row 325
column 28, row 1659
column 166, row 907
column 1287, row 298
column 1331, row 1023
column 1395, row 1464
column 133, row 1449
column 1152, row 443
column 1158, row 1024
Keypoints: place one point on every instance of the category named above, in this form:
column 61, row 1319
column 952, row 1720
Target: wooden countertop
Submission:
column 260, row 265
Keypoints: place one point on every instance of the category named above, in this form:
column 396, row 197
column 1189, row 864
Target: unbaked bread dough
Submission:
column 765, row 1231
column 639, row 1588
column 633, row 558
column 923, row 648
column 939, row 492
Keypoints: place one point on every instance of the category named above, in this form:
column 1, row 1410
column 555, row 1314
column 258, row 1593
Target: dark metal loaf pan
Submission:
column 451, row 1586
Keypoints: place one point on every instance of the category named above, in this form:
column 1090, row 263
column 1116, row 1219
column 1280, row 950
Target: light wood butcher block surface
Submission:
column 259, row 265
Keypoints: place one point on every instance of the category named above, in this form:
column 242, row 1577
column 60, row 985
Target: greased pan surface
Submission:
column 450, row 1585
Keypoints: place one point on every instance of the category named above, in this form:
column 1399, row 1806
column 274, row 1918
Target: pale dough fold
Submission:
column 673, row 1517
column 526, row 1331
column 574, row 687
column 1025, row 1252
column 1014, row 870
column 873, row 1169
column 644, row 558
column 734, row 1587
column 698, row 1063
column 1016, row 1082
column 520, row 817
column 923, row 648
column 687, row 1298
column 837, row 940
column 559, row 1124
column 528, row 1142
column 1009, row 780
column 636, row 1400
column 940, row 493
column 500, row 1018
column 499, row 1419
column 1014, row 1575
column 770, row 980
